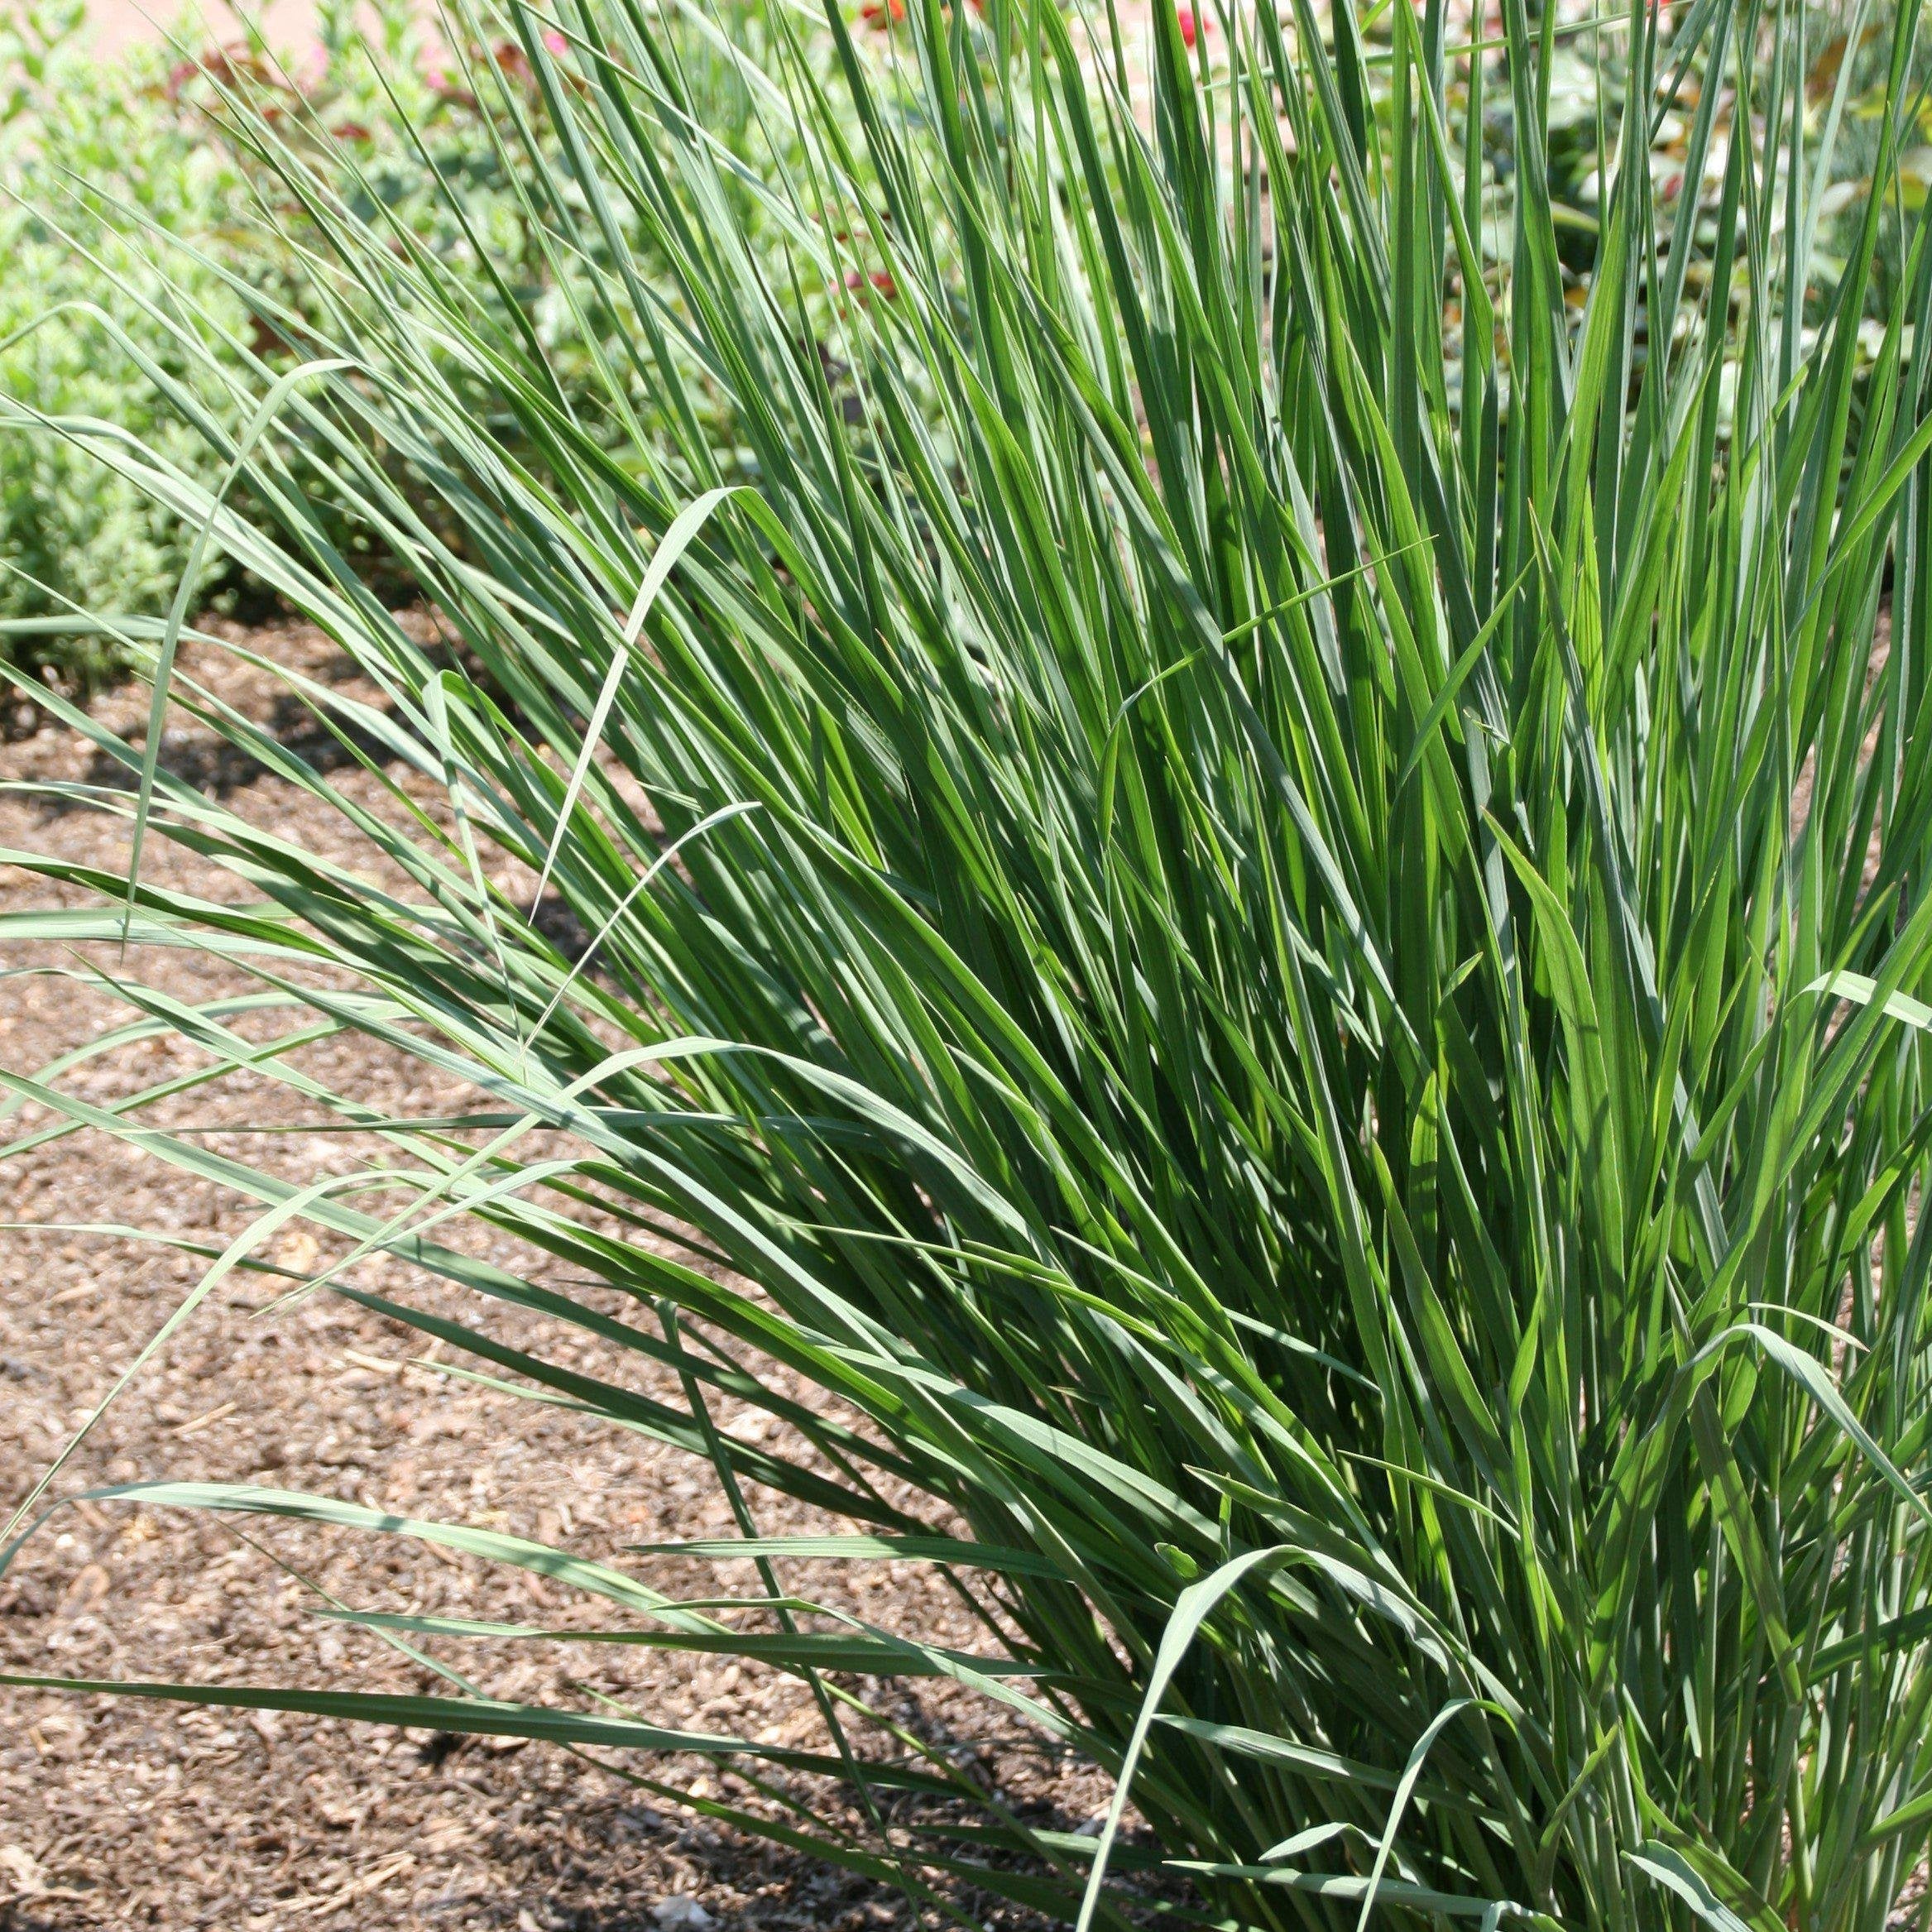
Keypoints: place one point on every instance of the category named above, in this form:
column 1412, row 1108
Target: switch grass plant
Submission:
column 1279, row 943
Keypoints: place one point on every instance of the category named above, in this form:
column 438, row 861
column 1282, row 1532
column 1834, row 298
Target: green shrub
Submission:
column 89, row 152
column 1234, row 963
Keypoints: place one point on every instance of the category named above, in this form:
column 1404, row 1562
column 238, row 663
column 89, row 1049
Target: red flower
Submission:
column 879, row 280
column 883, row 13
column 232, row 67
column 1191, row 24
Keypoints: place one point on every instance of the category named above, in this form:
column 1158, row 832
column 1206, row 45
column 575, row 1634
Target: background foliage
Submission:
column 75, row 137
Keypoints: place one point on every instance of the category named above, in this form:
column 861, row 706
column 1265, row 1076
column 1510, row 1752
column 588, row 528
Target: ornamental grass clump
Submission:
column 1251, row 876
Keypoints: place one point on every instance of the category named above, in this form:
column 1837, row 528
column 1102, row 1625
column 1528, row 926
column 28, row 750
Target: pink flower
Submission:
column 439, row 83
column 555, row 41
column 879, row 278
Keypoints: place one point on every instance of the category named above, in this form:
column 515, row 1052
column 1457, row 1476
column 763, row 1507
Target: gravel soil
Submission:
column 116, row 1811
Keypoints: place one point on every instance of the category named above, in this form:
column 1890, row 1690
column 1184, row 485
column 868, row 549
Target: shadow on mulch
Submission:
column 218, row 770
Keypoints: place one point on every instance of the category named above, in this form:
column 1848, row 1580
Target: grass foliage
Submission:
column 1307, row 1002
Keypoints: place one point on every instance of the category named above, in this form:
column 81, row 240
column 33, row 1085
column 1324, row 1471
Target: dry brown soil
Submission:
column 116, row 1812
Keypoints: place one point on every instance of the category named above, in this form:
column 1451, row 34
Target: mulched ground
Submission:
column 128, row 1813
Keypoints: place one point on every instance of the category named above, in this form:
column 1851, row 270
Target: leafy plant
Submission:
column 78, row 138
column 1309, row 1007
